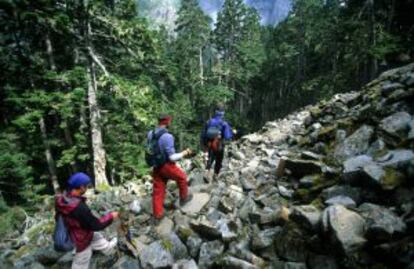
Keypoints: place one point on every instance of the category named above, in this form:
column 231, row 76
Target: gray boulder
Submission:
column 263, row 239
column 194, row 243
column 300, row 168
column 126, row 262
column 185, row 264
column 179, row 250
column 381, row 223
column 356, row 144
column 156, row 256
column 320, row 261
column 206, row 229
column 345, row 228
column 399, row 158
column 345, row 190
column 291, row 244
column 395, row 123
column 353, row 168
column 209, row 252
column 308, row 216
column 235, row 263
column 411, row 132
column 341, row 200
column 248, row 206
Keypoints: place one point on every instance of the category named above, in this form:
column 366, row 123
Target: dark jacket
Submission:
column 79, row 219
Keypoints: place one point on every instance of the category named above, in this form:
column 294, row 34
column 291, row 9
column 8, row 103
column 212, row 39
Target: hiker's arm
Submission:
column 88, row 221
column 227, row 134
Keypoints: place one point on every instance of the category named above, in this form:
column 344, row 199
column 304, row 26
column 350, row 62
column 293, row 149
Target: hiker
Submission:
column 164, row 167
column 215, row 134
column 81, row 223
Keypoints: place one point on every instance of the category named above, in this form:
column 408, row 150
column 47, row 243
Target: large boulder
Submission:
column 185, row 264
column 396, row 123
column 209, row 252
column 308, row 216
column 356, row 144
column 126, row 262
column 196, row 204
column 264, row 239
column 156, row 255
column 291, row 244
column 381, row 223
column 345, row 228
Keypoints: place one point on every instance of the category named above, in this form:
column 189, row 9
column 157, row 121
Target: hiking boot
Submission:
column 157, row 221
column 184, row 201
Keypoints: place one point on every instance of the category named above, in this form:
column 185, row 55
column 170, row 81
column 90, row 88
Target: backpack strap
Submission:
column 158, row 135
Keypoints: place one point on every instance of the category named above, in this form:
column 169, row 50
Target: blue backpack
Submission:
column 61, row 238
column 154, row 157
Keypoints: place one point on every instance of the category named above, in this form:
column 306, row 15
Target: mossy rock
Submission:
column 318, row 203
column 102, row 188
column 392, row 179
column 304, row 141
column 167, row 245
column 24, row 250
column 184, row 233
column 327, row 133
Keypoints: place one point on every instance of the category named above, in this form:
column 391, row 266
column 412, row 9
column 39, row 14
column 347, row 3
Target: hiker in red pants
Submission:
column 162, row 157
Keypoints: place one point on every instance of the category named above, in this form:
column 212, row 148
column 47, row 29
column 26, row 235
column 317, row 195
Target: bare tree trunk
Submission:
column 49, row 156
column 99, row 154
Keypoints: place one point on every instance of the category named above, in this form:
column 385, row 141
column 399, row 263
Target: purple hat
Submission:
column 78, row 179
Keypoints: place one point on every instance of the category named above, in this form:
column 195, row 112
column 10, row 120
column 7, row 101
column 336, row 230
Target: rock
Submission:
column 156, row 256
column 126, row 262
column 345, row 190
column 309, row 155
column 398, row 159
column 290, row 244
column 264, row 238
column 411, row 132
column 376, row 147
column 226, row 205
column 300, row 168
column 395, row 123
column 340, row 136
column 309, row 181
column 248, row 206
column 196, row 204
column 206, row 229
column 341, row 200
column 285, row 192
column 345, row 227
column 165, row 227
column 178, row 250
column 288, row 265
column 353, row 168
column 194, row 243
column 135, row 207
column 196, row 178
column 381, row 223
column 241, row 250
column 374, row 172
column 388, row 88
column 235, row 263
column 356, row 144
column 227, row 229
column 209, row 252
column 47, row 256
column 308, row 216
column 185, row 264
column 320, row 261
column 278, row 216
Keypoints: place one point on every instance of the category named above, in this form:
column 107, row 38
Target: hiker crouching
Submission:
column 81, row 223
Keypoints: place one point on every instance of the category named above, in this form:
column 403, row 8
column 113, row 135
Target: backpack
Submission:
column 154, row 157
column 212, row 136
column 61, row 238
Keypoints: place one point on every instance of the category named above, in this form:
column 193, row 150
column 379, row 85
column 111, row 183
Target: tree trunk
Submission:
column 99, row 155
column 49, row 156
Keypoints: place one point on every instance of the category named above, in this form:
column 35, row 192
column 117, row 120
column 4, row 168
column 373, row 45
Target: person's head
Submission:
column 219, row 110
column 164, row 120
column 79, row 183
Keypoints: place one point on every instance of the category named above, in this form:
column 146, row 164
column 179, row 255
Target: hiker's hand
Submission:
column 187, row 152
column 115, row 215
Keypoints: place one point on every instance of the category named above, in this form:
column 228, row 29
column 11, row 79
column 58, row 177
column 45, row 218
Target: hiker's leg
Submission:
column 81, row 259
column 219, row 161
column 175, row 173
column 210, row 159
column 158, row 193
column 100, row 243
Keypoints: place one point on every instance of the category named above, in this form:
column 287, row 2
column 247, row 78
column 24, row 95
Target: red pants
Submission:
column 160, row 177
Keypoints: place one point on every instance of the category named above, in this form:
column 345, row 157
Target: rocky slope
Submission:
column 328, row 187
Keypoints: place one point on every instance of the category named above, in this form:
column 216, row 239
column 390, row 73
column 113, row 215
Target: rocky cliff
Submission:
column 330, row 186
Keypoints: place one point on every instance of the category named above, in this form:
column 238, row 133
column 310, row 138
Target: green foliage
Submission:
column 11, row 220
